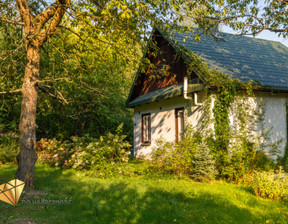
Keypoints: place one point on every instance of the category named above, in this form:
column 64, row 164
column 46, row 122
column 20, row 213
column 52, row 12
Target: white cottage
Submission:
column 163, row 109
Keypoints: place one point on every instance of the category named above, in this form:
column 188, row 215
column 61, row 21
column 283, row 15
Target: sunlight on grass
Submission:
column 144, row 199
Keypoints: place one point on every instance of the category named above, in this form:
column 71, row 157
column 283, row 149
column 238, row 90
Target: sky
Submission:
column 267, row 35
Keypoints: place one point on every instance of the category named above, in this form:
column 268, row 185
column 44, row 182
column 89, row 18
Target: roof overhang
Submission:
column 165, row 93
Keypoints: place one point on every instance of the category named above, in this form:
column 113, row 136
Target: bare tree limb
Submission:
column 12, row 91
column 58, row 97
column 55, row 80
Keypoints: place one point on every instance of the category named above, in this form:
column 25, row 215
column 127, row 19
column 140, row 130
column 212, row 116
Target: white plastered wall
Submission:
column 275, row 117
column 162, row 122
column 163, row 119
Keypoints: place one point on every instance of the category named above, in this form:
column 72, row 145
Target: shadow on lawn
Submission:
column 7, row 173
column 117, row 201
column 120, row 202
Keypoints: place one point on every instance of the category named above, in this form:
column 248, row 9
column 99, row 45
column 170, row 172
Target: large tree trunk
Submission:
column 27, row 127
column 36, row 36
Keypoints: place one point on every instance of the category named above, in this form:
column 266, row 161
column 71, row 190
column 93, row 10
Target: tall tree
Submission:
column 37, row 30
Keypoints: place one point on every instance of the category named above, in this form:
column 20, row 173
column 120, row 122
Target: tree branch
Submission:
column 58, row 97
column 25, row 14
column 12, row 91
column 50, row 30
column 11, row 21
column 46, row 15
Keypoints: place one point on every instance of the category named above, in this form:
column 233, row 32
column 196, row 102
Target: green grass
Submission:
column 143, row 199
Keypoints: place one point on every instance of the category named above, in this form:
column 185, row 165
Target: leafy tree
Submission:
column 96, row 19
column 249, row 17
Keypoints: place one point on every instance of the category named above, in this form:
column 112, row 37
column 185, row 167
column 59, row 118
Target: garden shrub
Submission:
column 267, row 184
column 109, row 149
column 262, row 162
column 173, row 158
column 9, row 148
column 52, row 152
column 103, row 156
column 204, row 169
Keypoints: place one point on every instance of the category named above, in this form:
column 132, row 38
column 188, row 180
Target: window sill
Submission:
column 145, row 144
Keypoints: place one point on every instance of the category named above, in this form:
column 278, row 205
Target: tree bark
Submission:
column 35, row 36
column 27, row 127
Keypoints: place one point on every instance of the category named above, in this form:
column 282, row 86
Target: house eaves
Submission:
column 165, row 93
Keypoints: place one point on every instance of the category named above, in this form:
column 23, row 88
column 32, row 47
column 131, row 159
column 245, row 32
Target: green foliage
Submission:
column 9, row 148
column 226, row 90
column 11, row 54
column 86, row 66
column 140, row 199
column 109, row 149
column 96, row 97
column 103, row 156
column 52, row 152
column 263, row 163
column 267, row 184
column 173, row 158
column 284, row 160
column 204, row 169
column 234, row 144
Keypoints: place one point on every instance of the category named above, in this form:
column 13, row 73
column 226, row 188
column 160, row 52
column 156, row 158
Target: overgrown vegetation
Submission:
column 102, row 157
column 91, row 101
column 236, row 146
column 218, row 149
column 226, row 148
column 170, row 158
column 271, row 185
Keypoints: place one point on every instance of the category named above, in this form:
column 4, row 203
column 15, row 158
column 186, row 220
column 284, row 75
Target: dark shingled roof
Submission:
column 262, row 61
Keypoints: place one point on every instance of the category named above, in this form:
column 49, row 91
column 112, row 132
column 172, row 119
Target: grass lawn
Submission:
column 143, row 199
